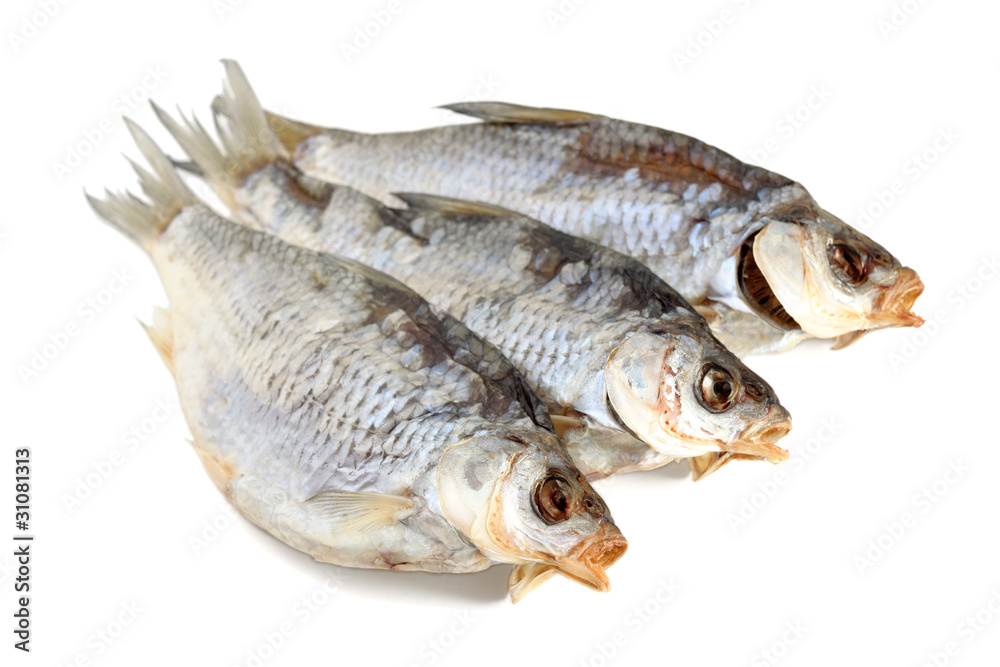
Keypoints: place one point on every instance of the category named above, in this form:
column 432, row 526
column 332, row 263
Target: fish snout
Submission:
column 893, row 306
column 760, row 438
column 588, row 562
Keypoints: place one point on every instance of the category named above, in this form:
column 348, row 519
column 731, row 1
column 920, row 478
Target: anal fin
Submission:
column 161, row 334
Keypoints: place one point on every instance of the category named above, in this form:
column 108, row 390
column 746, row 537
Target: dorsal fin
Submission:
column 451, row 206
column 502, row 112
column 374, row 276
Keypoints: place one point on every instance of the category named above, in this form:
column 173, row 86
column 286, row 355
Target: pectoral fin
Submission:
column 706, row 464
column 847, row 339
column 360, row 512
column 564, row 423
column 526, row 577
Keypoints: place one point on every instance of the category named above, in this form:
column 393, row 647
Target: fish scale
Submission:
column 560, row 307
column 680, row 206
column 211, row 245
column 329, row 476
column 557, row 324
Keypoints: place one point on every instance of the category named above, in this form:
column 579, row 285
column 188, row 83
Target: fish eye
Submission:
column 850, row 265
column 718, row 388
column 553, row 498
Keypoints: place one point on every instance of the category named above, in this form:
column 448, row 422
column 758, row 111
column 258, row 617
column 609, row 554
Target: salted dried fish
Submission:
column 340, row 413
column 632, row 375
column 750, row 248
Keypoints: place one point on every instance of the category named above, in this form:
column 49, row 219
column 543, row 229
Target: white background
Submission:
column 898, row 423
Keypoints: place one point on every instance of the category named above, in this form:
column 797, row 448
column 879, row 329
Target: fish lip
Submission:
column 758, row 439
column 587, row 563
column 893, row 306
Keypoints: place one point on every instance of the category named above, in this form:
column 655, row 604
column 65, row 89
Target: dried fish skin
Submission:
column 621, row 360
column 727, row 235
column 341, row 413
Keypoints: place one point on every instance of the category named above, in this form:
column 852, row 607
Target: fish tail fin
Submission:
column 246, row 140
column 207, row 160
column 144, row 221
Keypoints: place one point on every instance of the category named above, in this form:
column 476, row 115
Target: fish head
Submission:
column 812, row 271
column 681, row 391
column 523, row 503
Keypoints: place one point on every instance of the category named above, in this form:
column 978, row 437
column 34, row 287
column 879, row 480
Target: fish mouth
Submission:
column 893, row 306
column 588, row 561
column 758, row 440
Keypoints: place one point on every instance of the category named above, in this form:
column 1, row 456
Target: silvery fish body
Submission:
column 338, row 411
column 750, row 248
column 619, row 358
